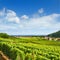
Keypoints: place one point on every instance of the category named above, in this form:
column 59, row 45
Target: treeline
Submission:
column 55, row 34
column 5, row 35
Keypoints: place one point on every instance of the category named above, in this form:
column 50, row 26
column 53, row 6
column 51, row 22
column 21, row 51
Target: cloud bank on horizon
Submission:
column 37, row 24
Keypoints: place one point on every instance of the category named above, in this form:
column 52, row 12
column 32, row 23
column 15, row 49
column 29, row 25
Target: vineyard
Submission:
column 30, row 48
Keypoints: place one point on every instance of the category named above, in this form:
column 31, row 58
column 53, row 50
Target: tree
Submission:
column 4, row 35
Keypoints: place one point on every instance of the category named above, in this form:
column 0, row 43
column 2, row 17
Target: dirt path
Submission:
column 3, row 56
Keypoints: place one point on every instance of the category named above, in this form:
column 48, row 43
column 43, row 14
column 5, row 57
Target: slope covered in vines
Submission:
column 30, row 48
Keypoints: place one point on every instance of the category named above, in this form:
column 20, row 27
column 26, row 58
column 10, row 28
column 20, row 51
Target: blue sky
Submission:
column 29, row 17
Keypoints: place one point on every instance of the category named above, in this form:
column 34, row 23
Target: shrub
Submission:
column 4, row 35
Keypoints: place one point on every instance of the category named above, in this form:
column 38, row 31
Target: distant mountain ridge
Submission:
column 55, row 34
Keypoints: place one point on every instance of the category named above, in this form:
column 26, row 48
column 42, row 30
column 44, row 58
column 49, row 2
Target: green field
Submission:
column 30, row 48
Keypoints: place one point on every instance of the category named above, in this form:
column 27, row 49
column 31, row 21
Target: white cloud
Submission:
column 12, row 17
column 9, row 15
column 7, row 27
column 24, row 17
column 21, row 26
column 24, row 24
column 44, row 22
column 2, row 12
column 41, row 10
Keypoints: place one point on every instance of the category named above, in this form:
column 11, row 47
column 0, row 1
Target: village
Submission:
column 51, row 38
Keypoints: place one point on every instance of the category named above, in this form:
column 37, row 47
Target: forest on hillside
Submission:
column 55, row 34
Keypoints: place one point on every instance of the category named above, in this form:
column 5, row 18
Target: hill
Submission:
column 55, row 34
column 33, row 48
